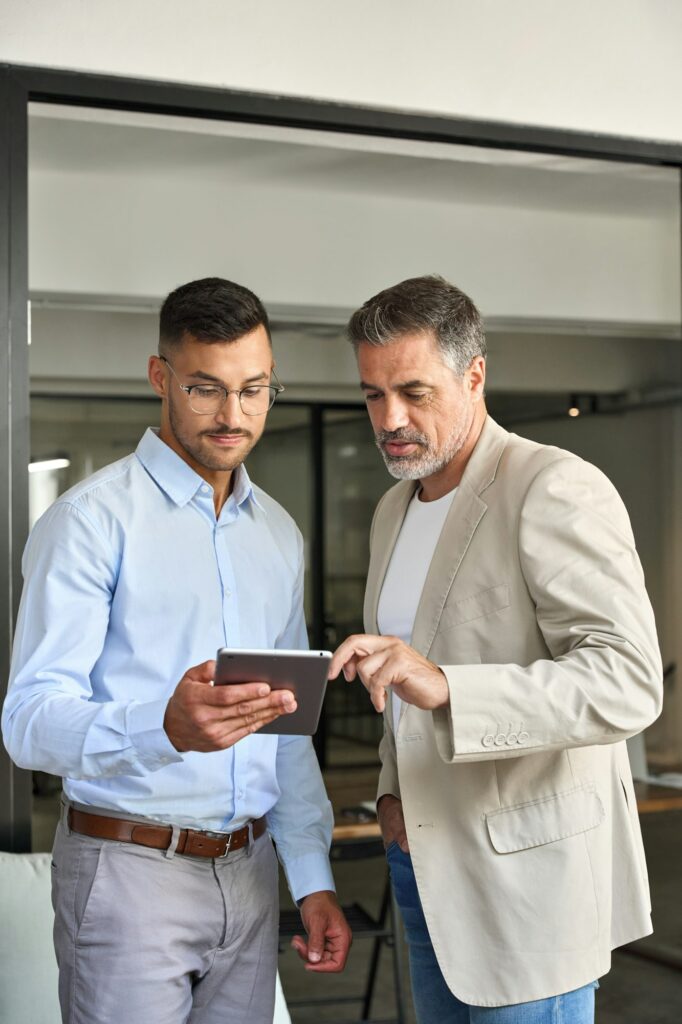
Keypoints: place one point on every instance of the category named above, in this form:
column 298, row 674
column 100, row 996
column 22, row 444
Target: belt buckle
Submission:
column 219, row 835
column 228, row 847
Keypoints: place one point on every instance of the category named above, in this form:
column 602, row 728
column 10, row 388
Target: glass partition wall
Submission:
column 574, row 262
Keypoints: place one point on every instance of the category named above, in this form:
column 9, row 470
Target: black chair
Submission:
column 384, row 930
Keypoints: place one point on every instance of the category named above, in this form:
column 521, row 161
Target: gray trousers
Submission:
column 149, row 939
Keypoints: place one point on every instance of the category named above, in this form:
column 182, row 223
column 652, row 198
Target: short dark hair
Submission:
column 211, row 309
column 421, row 305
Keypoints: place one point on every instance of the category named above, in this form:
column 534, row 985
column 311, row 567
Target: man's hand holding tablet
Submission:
column 302, row 674
column 201, row 716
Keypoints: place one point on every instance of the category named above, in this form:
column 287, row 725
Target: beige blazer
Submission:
column 518, row 799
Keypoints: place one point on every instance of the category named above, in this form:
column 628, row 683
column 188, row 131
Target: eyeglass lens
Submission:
column 254, row 401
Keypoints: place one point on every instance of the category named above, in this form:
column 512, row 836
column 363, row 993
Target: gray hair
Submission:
column 423, row 305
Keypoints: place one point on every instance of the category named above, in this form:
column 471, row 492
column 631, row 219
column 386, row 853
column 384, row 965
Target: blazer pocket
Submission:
column 494, row 599
column 547, row 820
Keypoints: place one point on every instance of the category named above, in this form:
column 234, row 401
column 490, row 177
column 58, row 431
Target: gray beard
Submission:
column 426, row 463
column 417, row 467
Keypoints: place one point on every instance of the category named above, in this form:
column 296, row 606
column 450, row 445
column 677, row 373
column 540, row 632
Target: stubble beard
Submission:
column 199, row 447
column 426, row 462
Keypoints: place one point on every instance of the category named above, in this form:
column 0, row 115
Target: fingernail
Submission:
column 263, row 691
column 314, row 958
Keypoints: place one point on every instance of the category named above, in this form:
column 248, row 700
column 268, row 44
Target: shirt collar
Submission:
column 177, row 479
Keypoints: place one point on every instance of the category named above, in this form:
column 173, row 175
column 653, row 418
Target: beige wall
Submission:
column 611, row 66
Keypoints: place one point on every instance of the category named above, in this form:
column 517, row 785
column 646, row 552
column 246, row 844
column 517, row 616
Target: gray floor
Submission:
column 636, row 991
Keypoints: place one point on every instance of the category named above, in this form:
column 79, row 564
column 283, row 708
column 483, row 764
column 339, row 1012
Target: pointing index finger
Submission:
column 362, row 644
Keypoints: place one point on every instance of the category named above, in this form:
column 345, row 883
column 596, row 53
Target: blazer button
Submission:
column 489, row 740
column 523, row 737
column 512, row 738
column 500, row 739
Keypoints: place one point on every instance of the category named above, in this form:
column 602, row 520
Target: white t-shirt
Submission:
column 408, row 569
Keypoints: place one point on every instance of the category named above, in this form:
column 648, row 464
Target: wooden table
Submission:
column 345, row 829
column 657, row 798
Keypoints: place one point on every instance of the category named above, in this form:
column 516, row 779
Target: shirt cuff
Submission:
column 307, row 874
column 144, row 726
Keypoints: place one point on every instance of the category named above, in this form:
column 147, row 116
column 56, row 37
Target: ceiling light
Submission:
column 43, row 465
column 574, row 407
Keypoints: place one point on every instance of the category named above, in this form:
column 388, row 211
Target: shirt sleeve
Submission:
column 51, row 719
column 602, row 679
column 301, row 821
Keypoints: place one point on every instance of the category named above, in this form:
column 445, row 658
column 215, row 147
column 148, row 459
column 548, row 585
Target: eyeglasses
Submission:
column 208, row 399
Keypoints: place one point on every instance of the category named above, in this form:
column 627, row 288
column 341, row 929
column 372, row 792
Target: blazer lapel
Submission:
column 466, row 512
column 388, row 524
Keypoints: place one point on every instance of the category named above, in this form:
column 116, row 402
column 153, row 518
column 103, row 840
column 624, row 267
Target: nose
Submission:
column 394, row 413
column 230, row 413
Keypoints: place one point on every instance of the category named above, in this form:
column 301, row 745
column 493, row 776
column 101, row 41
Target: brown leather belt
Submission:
column 158, row 837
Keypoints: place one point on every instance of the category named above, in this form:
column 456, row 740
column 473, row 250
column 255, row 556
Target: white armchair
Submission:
column 28, row 969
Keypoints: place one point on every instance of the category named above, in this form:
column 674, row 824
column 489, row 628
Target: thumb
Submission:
column 204, row 673
column 316, row 939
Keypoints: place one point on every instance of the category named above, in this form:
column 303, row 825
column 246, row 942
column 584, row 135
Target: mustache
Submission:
column 401, row 434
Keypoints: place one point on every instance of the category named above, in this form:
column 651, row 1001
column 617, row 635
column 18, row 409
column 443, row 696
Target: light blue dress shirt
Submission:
column 129, row 581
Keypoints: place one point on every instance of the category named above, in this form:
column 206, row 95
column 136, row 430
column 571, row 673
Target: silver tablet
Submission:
column 302, row 672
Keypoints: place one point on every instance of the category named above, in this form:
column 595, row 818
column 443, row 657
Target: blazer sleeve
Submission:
column 388, row 775
column 603, row 680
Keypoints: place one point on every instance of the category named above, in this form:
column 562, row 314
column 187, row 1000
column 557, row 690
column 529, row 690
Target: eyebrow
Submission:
column 397, row 387
column 216, row 380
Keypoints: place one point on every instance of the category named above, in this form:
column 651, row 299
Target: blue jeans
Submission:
column 434, row 1002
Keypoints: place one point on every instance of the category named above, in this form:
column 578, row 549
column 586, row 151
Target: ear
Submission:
column 157, row 376
column 476, row 377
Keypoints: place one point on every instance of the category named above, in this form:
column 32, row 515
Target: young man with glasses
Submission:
column 164, row 878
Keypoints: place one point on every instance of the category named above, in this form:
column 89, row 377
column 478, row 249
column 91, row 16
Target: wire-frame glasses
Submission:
column 208, row 399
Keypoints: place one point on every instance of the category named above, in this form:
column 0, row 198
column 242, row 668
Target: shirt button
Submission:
column 489, row 740
column 500, row 739
column 204, row 488
column 523, row 737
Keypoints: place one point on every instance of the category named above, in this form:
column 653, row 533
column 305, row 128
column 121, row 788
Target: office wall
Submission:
column 107, row 351
column 140, row 234
column 610, row 67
